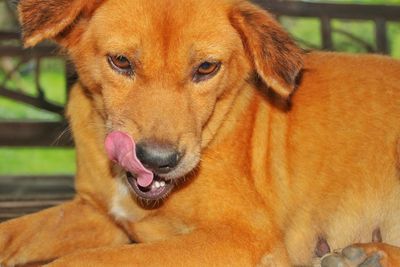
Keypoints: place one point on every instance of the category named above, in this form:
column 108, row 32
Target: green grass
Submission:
column 394, row 35
column 40, row 161
column 10, row 110
column 364, row 30
column 304, row 30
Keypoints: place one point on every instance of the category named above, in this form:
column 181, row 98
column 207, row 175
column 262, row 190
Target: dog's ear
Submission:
column 273, row 54
column 52, row 19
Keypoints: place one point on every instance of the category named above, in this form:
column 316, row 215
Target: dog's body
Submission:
column 274, row 180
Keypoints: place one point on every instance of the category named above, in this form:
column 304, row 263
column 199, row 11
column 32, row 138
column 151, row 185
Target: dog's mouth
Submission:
column 158, row 189
column 147, row 185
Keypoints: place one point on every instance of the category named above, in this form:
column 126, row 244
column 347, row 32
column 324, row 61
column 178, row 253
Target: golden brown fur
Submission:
column 293, row 146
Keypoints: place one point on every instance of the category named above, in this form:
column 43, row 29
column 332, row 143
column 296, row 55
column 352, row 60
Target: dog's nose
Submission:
column 158, row 157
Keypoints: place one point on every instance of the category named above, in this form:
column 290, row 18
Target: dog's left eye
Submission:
column 206, row 70
column 121, row 64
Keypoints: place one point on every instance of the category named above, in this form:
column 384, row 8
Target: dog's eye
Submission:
column 121, row 64
column 206, row 70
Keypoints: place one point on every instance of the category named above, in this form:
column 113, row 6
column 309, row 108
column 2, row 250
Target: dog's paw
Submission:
column 364, row 255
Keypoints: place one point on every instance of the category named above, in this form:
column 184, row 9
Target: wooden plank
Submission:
column 340, row 11
column 18, row 208
column 35, row 134
column 20, row 195
column 10, row 210
column 36, row 188
column 9, row 35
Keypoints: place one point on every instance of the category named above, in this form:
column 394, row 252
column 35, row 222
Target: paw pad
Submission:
column 352, row 257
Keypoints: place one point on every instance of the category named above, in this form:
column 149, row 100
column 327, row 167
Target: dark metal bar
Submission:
column 37, row 78
column 340, row 11
column 71, row 76
column 30, row 100
column 40, row 51
column 14, row 134
column 326, row 32
column 381, row 36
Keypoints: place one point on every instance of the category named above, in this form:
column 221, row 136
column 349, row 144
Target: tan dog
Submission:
column 262, row 155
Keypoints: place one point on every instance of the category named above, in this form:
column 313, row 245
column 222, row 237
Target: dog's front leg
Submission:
column 222, row 246
column 55, row 232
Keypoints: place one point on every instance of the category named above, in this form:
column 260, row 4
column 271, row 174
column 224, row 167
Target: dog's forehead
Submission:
column 165, row 10
column 163, row 24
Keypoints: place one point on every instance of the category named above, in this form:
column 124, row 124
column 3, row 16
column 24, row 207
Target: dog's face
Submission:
column 166, row 72
column 161, row 73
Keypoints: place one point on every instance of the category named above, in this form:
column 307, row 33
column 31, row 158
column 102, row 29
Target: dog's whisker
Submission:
column 65, row 131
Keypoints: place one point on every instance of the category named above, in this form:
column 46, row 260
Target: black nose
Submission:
column 157, row 156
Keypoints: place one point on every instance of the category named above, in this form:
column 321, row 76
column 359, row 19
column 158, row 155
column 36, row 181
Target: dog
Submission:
column 206, row 137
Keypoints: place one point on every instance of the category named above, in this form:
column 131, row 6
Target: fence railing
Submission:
column 379, row 14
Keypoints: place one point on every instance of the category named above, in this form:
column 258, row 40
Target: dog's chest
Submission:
column 121, row 206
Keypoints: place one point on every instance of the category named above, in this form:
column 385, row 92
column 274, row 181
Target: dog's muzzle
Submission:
column 146, row 182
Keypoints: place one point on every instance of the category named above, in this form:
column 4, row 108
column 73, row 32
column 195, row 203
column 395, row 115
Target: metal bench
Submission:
column 20, row 195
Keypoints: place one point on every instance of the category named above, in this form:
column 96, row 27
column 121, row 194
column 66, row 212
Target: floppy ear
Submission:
column 274, row 55
column 51, row 19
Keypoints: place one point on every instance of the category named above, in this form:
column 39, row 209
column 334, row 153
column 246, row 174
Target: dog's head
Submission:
column 166, row 72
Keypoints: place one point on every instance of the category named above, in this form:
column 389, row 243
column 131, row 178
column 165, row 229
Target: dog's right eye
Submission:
column 121, row 64
column 206, row 70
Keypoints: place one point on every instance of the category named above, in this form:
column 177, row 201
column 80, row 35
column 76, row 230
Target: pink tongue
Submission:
column 121, row 149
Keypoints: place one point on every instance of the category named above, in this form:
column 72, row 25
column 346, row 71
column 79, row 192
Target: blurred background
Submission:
column 36, row 151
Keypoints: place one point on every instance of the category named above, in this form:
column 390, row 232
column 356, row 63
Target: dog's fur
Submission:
column 283, row 148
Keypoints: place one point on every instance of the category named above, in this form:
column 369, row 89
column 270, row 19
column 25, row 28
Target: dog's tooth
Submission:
column 157, row 184
column 162, row 183
column 153, row 185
